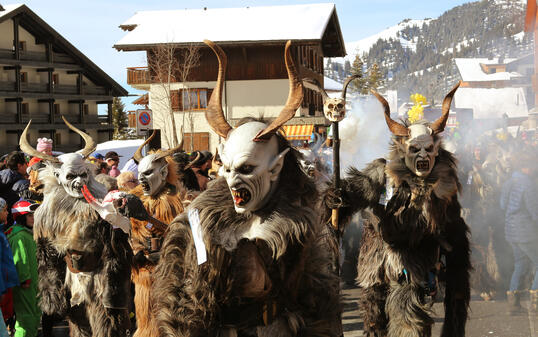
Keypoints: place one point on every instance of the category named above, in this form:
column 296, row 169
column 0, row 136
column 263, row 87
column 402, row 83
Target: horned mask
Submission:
column 153, row 168
column 71, row 169
column 418, row 143
column 251, row 157
column 333, row 108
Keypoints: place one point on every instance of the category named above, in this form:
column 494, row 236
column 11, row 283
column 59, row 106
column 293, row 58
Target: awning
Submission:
column 298, row 132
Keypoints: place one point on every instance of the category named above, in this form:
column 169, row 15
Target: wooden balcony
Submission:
column 138, row 76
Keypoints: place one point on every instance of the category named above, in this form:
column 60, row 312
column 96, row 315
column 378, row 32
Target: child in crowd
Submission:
column 8, row 278
column 20, row 238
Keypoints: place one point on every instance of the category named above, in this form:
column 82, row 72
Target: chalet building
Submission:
column 256, row 79
column 491, row 89
column 44, row 77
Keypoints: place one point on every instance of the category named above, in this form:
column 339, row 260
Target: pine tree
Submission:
column 119, row 119
column 375, row 77
column 356, row 69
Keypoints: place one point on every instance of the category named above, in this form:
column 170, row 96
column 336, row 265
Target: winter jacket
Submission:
column 14, row 180
column 520, row 205
column 9, row 276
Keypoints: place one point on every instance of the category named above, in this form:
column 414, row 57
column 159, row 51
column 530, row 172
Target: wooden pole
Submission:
column 336, row 169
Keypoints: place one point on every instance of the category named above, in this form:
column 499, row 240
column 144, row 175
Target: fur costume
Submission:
column 413, row 226
column 278, row 283
column 83, row 262
column 94, row 300
column 164, row 206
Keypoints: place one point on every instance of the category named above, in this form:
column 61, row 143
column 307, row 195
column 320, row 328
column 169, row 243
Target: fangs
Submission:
column 423, row 165
column 241, row 196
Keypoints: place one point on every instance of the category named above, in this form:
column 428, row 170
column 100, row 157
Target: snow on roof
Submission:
column 492, row 103
column 471, row 70
column 332, row 85
column 271, row 23
column 9, row 9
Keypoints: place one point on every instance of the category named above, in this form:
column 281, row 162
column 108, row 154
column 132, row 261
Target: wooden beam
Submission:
column 103, row 102
column 19, row 111
column 74, row 72
column 75, row 101
column 18, row 79
column 45, row 100
column 13, row 99
column 51, row 112
column 44, row 70
column 50, row 54
column 12, row 67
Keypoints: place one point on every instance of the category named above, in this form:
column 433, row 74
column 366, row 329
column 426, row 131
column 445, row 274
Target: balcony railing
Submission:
column 138, row 75
column 37, row 118
column 36, row 56
column 8, row 118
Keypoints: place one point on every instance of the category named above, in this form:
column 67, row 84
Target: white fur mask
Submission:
column 152, row 174
column 72, row 174
column 250, row 168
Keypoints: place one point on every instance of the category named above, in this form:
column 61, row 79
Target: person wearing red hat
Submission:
column 20, row 238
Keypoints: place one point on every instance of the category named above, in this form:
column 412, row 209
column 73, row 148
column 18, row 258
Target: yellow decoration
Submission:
column 502, row 136
column 415, row 114
column 418, row 99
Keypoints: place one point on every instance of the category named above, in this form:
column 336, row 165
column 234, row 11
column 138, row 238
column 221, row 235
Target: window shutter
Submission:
column 175, row 97
column 209, row 92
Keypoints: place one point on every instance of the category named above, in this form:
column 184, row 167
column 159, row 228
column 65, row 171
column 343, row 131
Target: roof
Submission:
column 492, row 103
column 36, row 26
column 331, row 85
column 232, row 25
column 471, row 71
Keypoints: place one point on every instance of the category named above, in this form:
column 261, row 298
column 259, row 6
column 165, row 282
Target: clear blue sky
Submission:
column 92, row 25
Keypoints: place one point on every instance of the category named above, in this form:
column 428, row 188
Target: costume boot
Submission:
column 514, row 302
column 533, row 307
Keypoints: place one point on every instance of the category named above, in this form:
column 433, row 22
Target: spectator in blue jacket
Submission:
column 9, row 277
column 520, row 205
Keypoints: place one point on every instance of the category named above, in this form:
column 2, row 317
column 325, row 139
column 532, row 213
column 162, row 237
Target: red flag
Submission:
column 530, row 17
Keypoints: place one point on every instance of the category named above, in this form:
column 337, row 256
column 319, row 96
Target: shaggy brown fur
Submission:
column 284, row 268
column 421, row 221
column 94, row 301
column 165, row 206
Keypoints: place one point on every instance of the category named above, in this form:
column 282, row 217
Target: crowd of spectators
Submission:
column 20, row 195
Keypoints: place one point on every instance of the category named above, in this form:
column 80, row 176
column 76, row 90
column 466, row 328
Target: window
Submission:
column 25, row 108
column 22, row 45
column 55, row 79
column 57, row 108
column 190, row 99
column 194, row 99
column 86, row 109
column 24, row 77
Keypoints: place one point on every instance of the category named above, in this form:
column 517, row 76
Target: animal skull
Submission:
column 334, row 109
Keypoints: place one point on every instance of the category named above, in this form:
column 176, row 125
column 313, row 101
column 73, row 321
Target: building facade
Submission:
column 44, row 77
column 256, row 79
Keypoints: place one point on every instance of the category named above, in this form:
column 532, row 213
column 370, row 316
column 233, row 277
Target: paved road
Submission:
column 487, row 319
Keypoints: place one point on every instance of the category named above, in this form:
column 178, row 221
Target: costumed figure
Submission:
column 84, row 262
column 413, row 228
column 246, row 258
column 159, row 191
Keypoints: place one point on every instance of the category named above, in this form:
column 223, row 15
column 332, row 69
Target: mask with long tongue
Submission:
column 251, row 158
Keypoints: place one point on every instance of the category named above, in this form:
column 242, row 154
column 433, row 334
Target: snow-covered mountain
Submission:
column 418, row 54
column 394, row 32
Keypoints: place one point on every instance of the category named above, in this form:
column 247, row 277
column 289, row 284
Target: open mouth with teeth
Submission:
column 145, row 186
column 423, row 165
column 241, row 196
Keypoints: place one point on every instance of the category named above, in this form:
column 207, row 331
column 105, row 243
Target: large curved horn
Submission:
column 214, row 114
column 295, row 98
column 29, row 150
column 169, row 152
column 89, row 143
column 313, row 84
column 396, row 128
column 137, row 156
column 346, row 83
column 439, row 125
